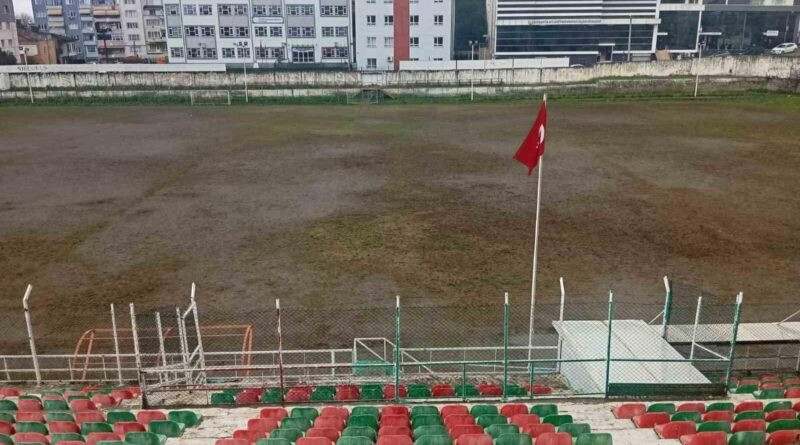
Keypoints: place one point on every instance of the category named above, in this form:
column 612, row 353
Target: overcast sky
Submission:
column 22, row 6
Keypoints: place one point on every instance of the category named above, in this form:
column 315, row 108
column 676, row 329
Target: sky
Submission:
column 22, row 6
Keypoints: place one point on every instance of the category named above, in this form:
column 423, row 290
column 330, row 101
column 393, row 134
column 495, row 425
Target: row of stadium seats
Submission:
column 126, row 393
column 773, row 384
column 510, row 424
column 302, row 394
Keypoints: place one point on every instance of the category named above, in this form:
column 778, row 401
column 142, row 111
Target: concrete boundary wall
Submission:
column 743, row 67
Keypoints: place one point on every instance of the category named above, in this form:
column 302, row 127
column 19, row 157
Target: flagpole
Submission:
column 535, row 250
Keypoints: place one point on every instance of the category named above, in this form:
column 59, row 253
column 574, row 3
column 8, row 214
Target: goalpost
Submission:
column 210, row 97
column 367, row 96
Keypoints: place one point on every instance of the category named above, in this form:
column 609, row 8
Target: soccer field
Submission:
column 348, row 206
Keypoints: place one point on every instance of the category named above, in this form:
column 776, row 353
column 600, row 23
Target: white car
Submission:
column 784, row 48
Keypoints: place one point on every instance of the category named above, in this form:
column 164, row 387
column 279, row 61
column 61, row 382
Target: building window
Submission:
column 132, row 25
column 206, row 10
column 174, row 32
column 189, row 10
column 372, row 63
column 334, row 31
column 207, row 31
column 131, row 14
column 242, row 31
column 71, row 15
column 261, row 31
column 133, row 38
column 243, row 53
column 327, row 31
column 239, row 9
column 438, row 20
column 193, row 53
column 259, row 10
column 191, row 31
column 224, row 9
column 303, row 54
column 388, row 20
column 371, row 42
column 91, row 48
column 130, row 2
column 334, row 52
column 438, row 41
column 228, row 53
column 300, row 10
column 388, row 42
column 333, row 11
column 269, row 53
column 276, row 31
column 413, row 42
column 226, row 31
column 274, row 10
column 370, row 20
column 300, row 31
column 172, row 10
column 413, row 20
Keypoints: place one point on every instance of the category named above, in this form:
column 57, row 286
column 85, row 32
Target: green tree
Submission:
column 7, row 58
column 470, row 23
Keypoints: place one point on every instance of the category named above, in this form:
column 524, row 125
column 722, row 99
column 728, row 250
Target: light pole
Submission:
column 242, row 45
column 630, row 30
column 697, row 68
column 472, row 45
column 24, row 52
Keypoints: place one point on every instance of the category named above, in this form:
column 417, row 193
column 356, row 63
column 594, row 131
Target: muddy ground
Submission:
column 334, row 208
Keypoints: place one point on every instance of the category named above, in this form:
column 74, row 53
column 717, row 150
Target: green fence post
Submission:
column 530, row 374
column 505, row 347
column 464, row 382
column 608, row 346
column 736, row 314
column 667, row 308
column 397, row 350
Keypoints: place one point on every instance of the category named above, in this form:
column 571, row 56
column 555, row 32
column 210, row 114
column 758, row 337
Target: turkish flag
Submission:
column 533, row 146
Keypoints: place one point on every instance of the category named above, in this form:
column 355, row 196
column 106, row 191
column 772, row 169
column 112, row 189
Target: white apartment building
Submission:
column 263, row 32
column 389, row 31
column 8, row 29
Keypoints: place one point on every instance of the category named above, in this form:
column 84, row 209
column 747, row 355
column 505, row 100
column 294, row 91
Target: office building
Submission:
column 8, row 29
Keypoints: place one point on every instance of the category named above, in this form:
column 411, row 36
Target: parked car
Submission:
column 784, row 48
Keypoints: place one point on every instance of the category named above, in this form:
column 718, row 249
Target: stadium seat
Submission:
column 535, row 430
column 290, row 434
column 335, row 411
column 273, row 441
column 650, row 420
column 390, row 410
column 539, row 389
column 299, row 423
column 354, row 440
column 30, row 416
column 251, row 436
column 30, row 438
column 784, row 437
column 459, row 419
column 363, row 431
column 749, row 425
column 29, row 405
column 513, row 439
column 274, row 413
column 56, row 405
column 512, row 409
column 557, row 419
column 748, row 438
column 259, row 424
column 474, row 439
column 704, row 427
column 331, row 433
column 629, row 410
column 442, row 391
column 7, row 417
column 94, row 438
column 418, row 421
column 394, row 440
column 167, row 428
column 6, row 439
column 322, row 396
column 781, row 414
column 750, row 405
column 113, row 417
column 429, row 430
column 243, row 398
column 336, row 423
column 9, row 392
column 62, row 426
column 554, row 439
column 720, row 406
column 371, row 411
column 700, row 407
column 524, row 419
column 498, row 430
column 31, row 427
column 299, row 396
column 783, row 424
column 7, row 428
column 78, row 405
column 434, row 440
column 395, row 431
column 146, row 416
column 544, row 409
column 771, row 385
column 514, row 391
column 490, row 390
column 69, row 437
column 189, row 418
column 674, row 430
column 389, row 391
column 594, row 439
column 705, row 438
column 363, row 420
column 466, row 390
column 7, row 405
column 746, row 389
column 123, row 428
column 486, row 420
column 424, row 410
column 745, row 415
column 777, row 405
column 371, row 394
column 661, row 408
column 574, row 429
column 394, row 420
column 103, row 400
column 122, row 394
column 449, row 410
column 418, row 392
column 144, row 438
column 686, row 416
column 480, row 410
column 314, row 441
column 305, row 412
column 792, row 393
column 718, row 416
column 774, row 393
column 457, row 430
column 95, row 427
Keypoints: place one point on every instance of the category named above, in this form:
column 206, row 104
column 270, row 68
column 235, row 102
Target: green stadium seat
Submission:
column 6, row 439
column 144, row 438
column 429, row 430
column 72, row 397
column 290, row 434
column 668, row 408
column 513, row 439
column 373, row 411
column 434, row 440
column 273, row 396
column 720, row 406
column 515, row 391
column 360, row 431
column 422, row 392
column 487, row 420
column 748, row 438
column 424, row 410
column 498, row 429
column 774, row 393
column 480, row 410
column 776, row 405
column 305, row 412
column 705, row 427
column 354, row 440
column 371, row 394
column 691, row 416
column 58, row 437
column 745, row 415
column 232, row 391
column 31, row 427
column 223, row 398
column 746, row 389
column 364, row 420
column 7, row 417
column 574, row 429
column 466, row 390
column 113, row 417
column 189, row 418
column 594, row 439
column 419, row 421
column 30, row 397
column 56, row 405
column 557, row 419
column 59, row 416
column 166, row 427
column 783, row 424
column 8, row 405
column 544, row 409
column 274, row 441
column 299, row 423
column 95, row 427
column 322, row 396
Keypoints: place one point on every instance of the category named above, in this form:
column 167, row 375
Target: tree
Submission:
column 25, row 19
column 7, row 58
column 470, row 23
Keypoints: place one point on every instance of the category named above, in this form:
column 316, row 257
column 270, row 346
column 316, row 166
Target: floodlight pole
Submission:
column 608, row 346
column 34, row 357
column 116, row 343
column 732, row 353
column 694, row 329
column 505, row 348
column 397, row 356
column 667, row 308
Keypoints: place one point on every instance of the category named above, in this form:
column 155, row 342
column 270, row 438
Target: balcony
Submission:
column 105, row 11
column 152, row 3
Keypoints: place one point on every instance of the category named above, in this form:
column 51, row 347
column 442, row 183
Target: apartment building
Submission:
column 9, row 42
column 390, row 31
column 259, row 32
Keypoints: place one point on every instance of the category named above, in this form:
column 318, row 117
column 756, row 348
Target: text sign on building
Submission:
column 772, row 33
column 564, row 22
column 267, row 20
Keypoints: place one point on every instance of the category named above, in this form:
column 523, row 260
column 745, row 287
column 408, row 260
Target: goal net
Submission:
column 368, row 96
column 210, row 97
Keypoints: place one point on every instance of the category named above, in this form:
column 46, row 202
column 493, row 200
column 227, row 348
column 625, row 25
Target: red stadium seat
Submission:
column 297, row 396
column 231, row 442
column 135, row 390
column 792, row 381
column 699, row 407
column 485, row 389
column 705, row 438
column 344, row 394
column 784, row 437
column 541, row 389
column 338, row 411
column 388, row 391
column 303, row 388
column 554, row 439
column 9, row 392
column 781, row 414
column 769, row 377
column 394, row 420
column 792, row 393
column 650, row 420
column 521, row 420
column 314, row 441
column 748, row 382
column 394, row 409
column 394, row 440
column 348, row 388
column 442, row 391
column 458, row 419
column 63, row 426
column 247, row 398
column 274, row 413
column 448, row 410
column 78, row 405
column 29, row 405
column 30, row 416
column 336, row 423
column 749, row 425
column 53, row 397
column 70, row 393
column 718, row 416
column 95, row 437
column 82, row 417
column 629, row 410
column 394, row 431
column 457, row 430
column 249, row 436
column 144, row 417
column 536, row 429
column 122, row 394
column 475, row 439
column 259, row 424
column 330, row 433
column 71, row 442
column 771, row 385
column 122, row 428
column 750, row 405
column 30, row 438
column 674, row 430
column 7, row 428
column 512, row 409
column 796, row 406
column 103, row 400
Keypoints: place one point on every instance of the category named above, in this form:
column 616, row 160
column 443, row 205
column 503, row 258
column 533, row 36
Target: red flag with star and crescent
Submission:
column 532, row 148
